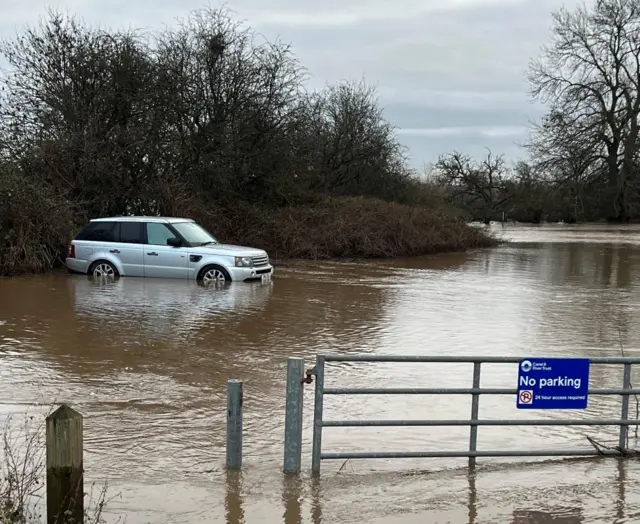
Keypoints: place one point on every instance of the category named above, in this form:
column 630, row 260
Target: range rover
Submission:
column 163, row 247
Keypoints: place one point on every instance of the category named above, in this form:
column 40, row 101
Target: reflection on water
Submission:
column 292, row 499
column 564, row 516
column 233, row 500
column 473, row 495
column 147, row 362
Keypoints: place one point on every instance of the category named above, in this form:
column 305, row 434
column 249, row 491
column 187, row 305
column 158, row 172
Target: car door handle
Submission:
column 153, row 254
column 114, row 251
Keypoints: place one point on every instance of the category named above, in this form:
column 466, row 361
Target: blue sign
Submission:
column 553, row 383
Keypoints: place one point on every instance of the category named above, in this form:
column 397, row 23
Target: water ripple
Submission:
column 146, row 362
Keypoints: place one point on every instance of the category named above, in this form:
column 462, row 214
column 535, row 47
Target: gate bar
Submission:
column 475, row 407
column 463, row 454
column 465, row 359
column 317, row 416
column 497, row 422
column 458, row 391
column 624, row 430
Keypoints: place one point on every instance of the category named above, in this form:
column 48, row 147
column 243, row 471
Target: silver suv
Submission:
column 162, row 247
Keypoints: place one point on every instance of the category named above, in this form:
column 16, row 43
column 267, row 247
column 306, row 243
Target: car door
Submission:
column 129, row 248
column 160, row 259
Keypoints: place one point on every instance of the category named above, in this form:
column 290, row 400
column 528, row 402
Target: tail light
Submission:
column 72, row 251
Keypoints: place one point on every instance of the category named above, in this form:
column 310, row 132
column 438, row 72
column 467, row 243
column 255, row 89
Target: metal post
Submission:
column 293, row 416
column 624, row 430
column 317, row 416
column 234, row 423
column 475, row 407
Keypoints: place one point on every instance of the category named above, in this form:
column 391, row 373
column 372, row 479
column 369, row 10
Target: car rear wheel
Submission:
column 214, row 275
column 103, row 270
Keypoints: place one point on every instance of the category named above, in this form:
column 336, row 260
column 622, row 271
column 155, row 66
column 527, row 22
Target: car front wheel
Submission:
column 214, row 275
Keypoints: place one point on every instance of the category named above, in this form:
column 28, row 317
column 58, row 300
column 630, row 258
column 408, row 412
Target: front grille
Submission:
column 260, row 261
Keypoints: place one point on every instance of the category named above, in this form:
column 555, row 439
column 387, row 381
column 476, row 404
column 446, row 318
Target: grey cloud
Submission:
column 424, row 150
column 341, row 14
column 415, row 116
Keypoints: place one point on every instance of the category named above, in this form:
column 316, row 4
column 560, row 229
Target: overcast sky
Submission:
column 450, row 73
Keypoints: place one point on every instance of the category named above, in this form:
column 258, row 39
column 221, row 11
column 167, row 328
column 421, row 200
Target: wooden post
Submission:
column 65, row 483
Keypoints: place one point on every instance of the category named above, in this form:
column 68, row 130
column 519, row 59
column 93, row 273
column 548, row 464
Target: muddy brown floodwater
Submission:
column 146, row 362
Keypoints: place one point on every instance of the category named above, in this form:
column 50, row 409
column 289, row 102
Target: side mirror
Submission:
column 174, row 242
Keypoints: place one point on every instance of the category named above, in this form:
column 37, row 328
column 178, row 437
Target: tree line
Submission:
column 119, row 120
column 583, row 158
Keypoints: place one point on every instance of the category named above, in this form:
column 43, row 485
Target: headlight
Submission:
column 244, row 261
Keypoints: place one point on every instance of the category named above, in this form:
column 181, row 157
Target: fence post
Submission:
column 293, row 416
column 234, row 423
column 65, row 482
column 475, row 408
column 624, row 430
column 317, row 416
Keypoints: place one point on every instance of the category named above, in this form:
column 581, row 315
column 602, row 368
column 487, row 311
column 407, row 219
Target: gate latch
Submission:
column 309, row 377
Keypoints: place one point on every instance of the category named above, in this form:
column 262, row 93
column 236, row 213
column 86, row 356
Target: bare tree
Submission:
column 229, row 99
column 590, row 76
column 350, row 148
column 568, row 161
column 480, row 187
column 76, row 112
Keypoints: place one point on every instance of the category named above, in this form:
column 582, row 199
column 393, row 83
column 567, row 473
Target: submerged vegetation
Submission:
column 204, row 120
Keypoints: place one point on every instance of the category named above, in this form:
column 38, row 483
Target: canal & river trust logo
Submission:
column 526, row 366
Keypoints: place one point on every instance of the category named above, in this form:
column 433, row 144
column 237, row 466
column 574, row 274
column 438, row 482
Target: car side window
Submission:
column 131, row 232
column 158, row 234
column 99, row 232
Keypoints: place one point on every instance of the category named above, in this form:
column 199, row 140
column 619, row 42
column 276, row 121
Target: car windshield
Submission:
column 194, row 234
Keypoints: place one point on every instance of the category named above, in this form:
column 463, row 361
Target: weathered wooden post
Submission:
column 65, row 479
column 293, row 415
column 234, row 424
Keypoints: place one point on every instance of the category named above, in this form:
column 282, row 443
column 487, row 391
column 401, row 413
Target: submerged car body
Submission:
column 162, row 247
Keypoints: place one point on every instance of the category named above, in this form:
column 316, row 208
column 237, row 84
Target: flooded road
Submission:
column 146, row 362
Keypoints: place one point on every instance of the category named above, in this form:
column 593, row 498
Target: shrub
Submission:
column 35, row 225
column 347, row 227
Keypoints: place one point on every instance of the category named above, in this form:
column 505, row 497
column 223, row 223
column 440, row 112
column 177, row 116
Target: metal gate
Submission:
column 473, row 422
